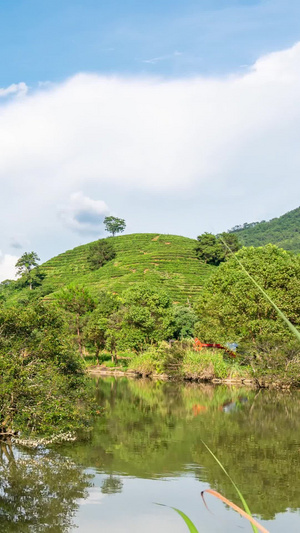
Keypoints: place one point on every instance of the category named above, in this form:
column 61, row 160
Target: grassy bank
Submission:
column 187, row 364
column 173, row 364
column 184, row 363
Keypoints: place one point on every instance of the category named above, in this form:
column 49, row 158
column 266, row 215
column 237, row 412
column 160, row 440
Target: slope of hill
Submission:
column 166, row 261
column 283, row 231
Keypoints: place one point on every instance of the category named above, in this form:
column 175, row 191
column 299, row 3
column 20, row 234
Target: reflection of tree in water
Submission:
column 151, row 429
column 258, row 446
column 38, row 491
column 111, row 485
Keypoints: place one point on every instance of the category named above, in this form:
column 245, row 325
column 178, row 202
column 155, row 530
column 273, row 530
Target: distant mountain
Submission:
column 283, row 231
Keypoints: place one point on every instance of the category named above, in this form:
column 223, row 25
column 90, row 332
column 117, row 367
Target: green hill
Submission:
column 283, row 231
column 165, row 261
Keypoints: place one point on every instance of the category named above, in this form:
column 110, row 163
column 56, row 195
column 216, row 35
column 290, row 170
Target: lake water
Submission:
column 147, row 448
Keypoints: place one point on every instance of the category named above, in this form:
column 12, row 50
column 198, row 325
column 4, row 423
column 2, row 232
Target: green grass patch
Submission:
column 211, row 363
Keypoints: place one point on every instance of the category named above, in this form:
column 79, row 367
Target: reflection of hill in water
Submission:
column 153, row 429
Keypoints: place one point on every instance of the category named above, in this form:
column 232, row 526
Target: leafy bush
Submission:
column 148, row 362
column 110, row 364
column 164, row 358
column 211, row 248
column 37, row 399
column 100, row 253
column 104, row 356
column 273, row 359
column 184, row 319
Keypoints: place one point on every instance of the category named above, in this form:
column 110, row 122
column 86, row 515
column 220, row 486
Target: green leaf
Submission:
column 233, row 483
column 192, row 528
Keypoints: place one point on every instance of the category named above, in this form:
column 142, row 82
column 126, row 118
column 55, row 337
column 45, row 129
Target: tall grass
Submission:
column 246, row 513
column 255, row 525
column 234, row 485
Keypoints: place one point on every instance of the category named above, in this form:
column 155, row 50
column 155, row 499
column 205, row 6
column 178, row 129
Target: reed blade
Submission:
column 245, row 505
column 236, row 508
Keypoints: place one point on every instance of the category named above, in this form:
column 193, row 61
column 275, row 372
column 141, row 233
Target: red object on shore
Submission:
column 199, row 345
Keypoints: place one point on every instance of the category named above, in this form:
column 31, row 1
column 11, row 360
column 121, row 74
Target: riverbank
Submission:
column 262, row 382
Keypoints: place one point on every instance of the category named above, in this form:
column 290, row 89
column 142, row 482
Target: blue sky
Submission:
column 54, row 39
column 179, row 116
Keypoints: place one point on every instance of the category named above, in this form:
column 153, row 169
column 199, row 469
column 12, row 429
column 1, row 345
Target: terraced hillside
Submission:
column 166, row 261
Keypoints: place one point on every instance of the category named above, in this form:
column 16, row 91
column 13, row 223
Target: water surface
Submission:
column 147, row 448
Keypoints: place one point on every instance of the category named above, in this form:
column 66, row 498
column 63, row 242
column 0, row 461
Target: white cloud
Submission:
column 83, row 214
column 7, row 266
column 145, row 132
column 229, row 140
column 17, row 89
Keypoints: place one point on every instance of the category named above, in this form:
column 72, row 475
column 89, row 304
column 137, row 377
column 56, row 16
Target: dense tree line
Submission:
column 141, row 317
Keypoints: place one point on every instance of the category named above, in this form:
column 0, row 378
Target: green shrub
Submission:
column 110, row 364
column 293, row 371
column 165, row 358
column 273, row 359
column 210, row 364
column 43, row 390
column 104, row 356
column 100, row 252
column 126, row 354
column 148, row 362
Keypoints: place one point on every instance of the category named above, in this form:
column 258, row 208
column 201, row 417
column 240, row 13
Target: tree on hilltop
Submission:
column 25, row 264
column 114, row 225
